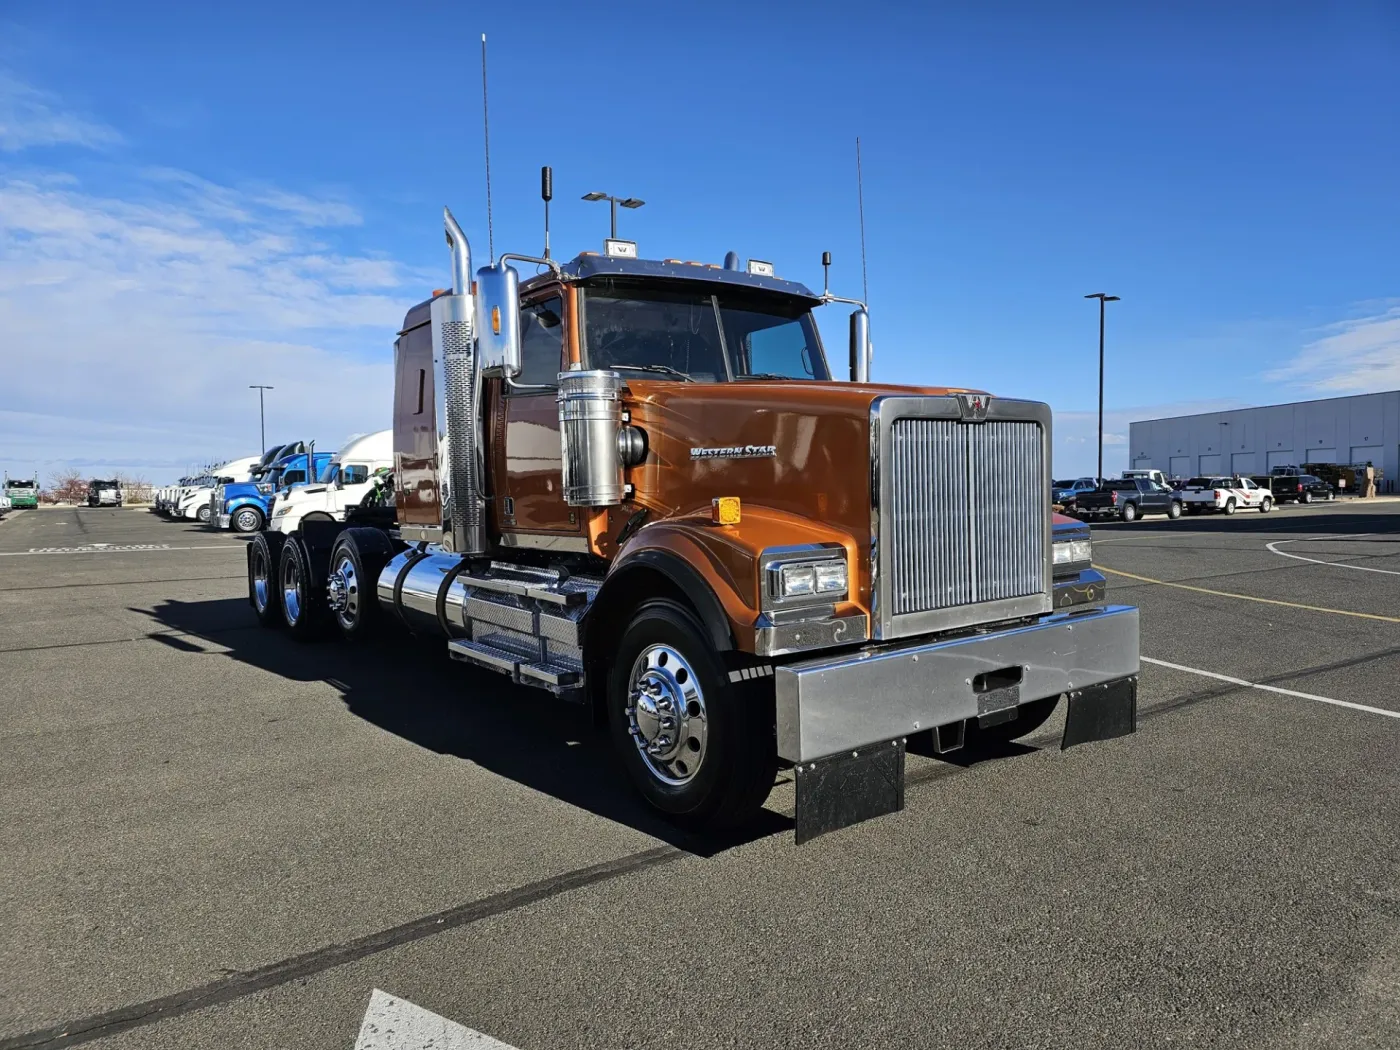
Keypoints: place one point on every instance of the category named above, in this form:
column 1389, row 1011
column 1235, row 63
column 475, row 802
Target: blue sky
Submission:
column 197, row 197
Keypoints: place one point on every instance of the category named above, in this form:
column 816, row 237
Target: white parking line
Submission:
column 1273, row 688
column 392, row 1023
column 1273, row 548
column 118, row 548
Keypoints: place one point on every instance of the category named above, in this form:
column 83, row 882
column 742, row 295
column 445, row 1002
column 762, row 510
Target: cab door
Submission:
column 531, row 506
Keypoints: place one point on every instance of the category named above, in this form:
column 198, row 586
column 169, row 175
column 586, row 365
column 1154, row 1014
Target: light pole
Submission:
column 262, row 415
column 1102, row 298
column 626, row 202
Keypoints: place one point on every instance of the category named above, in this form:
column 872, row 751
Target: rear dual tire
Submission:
column 264, row 560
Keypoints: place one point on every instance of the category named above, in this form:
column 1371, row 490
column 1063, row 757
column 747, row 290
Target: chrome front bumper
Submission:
column 225, row 521
column 837, row 704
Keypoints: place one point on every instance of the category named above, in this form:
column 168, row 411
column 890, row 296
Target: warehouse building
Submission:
column 1343, row 430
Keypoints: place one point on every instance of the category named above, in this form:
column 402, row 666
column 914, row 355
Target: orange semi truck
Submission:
column 639, row 485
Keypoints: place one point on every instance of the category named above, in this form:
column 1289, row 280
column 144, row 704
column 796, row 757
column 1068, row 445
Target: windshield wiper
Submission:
column 663, row 369
column 762, row 375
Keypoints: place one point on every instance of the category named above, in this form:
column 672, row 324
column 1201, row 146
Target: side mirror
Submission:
column 498, row 321
column 860, row 346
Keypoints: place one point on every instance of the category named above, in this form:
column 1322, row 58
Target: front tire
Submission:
column 202, row 515
column 1129, row 512
column 357, row 559
column 247, row 519
column 303, row 592
column 698, row 748
column 1174, row 511
column 1266, row 506
column 264, row 595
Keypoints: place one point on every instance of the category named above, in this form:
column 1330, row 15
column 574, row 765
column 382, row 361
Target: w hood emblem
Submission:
column 973, row 407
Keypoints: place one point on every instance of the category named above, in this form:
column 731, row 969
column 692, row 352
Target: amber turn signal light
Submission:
column 495, row 320
column 724, row 510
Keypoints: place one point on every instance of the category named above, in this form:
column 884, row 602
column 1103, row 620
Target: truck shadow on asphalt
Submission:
column 1279, row 523
column 409, row 687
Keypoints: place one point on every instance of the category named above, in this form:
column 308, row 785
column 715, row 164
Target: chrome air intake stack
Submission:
column 459, row 386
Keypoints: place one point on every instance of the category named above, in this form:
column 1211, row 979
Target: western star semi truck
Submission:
column 655, row 498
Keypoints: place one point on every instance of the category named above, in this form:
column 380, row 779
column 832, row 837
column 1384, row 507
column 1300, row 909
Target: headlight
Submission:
column 821, row 579
column 1074, row 552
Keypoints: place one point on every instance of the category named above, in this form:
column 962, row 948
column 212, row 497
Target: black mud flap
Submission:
column 1101, row 712
column 844, row 789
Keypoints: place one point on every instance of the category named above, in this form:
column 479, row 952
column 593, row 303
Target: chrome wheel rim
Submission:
column 202, row 514
column 343, row 592
column 245, row 521
column 666, row 715
column 291, row 591
column 260, row 580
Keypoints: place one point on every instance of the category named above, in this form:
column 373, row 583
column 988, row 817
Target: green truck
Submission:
column 24, row 495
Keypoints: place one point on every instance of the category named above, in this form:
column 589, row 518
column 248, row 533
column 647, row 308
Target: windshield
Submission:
column 328, row 473
column 698, row 335
column 19, row 484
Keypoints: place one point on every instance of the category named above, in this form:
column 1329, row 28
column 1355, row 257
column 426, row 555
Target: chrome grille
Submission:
column 966, row 522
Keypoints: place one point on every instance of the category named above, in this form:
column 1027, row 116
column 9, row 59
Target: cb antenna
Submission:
column 486, row 130
column 826, row 273
column 547, row 195
column 860, row 198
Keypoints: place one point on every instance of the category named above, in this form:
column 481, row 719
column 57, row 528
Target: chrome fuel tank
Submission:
column 418, row 577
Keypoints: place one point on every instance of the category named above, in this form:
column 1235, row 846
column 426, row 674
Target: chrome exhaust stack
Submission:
column 459, row 405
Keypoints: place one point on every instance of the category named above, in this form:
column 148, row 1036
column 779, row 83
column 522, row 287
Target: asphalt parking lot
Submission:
column 213, row 837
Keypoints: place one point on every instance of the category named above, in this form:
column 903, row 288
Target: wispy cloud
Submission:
column 30, row 117
column 134, row 320
column 1352, row 356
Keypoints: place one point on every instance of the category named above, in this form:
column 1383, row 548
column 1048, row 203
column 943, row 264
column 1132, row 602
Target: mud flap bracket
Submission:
column 847, row 788
column 1101, row 712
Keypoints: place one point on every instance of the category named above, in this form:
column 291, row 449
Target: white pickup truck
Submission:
column 343, row 483
column 1224, row 494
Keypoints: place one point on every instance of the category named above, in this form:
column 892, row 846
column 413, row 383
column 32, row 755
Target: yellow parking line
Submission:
column 1249, row 597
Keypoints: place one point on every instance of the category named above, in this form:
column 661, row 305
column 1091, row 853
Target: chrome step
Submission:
column 555, row 677
column 484, row 655
column 551, row 674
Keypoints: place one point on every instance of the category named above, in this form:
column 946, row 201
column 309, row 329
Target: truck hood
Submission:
column 793, row 446
column 240, row 488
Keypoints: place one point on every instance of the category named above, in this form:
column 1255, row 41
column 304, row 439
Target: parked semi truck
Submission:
column 104, row 493
column 247, row 506
column 191, row 502
column 23, row 493
column 250, row 492
column 656, row 499
column 347, row 478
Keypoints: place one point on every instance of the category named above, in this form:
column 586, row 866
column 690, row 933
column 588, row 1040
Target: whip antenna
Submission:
column 486, row 130
column 860, row 198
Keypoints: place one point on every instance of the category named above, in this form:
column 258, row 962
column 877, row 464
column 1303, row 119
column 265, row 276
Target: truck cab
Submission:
column 640, row 485
column 22, row 492
column 243, row 505
column 104, row 493
column 346, row 478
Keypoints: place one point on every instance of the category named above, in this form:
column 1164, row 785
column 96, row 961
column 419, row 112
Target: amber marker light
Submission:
column 724, row 510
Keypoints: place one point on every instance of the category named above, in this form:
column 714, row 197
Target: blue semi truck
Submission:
column 247, row 507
